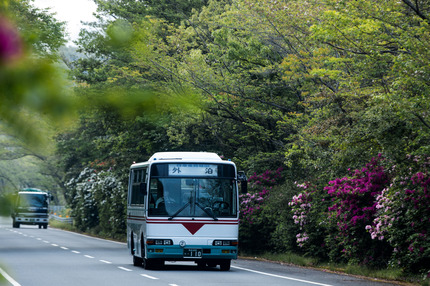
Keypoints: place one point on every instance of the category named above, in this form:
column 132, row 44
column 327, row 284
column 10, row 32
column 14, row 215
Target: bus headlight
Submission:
column 225, row 243
column 159, row 242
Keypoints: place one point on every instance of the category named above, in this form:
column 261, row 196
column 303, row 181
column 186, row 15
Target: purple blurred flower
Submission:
column 11, row 47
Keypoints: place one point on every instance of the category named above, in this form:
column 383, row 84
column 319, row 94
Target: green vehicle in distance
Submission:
column 31, row 208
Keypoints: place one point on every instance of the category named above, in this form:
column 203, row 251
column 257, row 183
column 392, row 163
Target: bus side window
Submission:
column 137, row 196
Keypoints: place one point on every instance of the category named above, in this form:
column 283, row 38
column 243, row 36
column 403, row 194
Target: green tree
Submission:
column 133, row 11
column 237, row 75
column 357, row 66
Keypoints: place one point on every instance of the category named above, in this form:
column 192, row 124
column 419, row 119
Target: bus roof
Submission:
column 182, row 156
column 32, row 190
column 185, row 156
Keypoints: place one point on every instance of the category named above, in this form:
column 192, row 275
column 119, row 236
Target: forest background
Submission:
column 324, row 104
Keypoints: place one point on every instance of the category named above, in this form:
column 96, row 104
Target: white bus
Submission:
column 183, row 206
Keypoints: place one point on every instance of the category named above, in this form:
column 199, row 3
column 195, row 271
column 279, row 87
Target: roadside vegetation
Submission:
column 372, row 222
column 324, row 104
column 288, row 258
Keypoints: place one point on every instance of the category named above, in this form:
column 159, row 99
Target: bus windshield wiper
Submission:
column 179, row 211
column 209, row 213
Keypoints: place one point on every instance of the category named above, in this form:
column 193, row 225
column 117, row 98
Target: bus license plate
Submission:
column 192, row 253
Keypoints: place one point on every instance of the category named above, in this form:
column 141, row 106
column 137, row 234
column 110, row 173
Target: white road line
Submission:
column 74, row 251
column 104, row 261
column 53, row 244
column 45, row 241
column 282, row 277
column 38, row 238
column 65, row 248
column 173, row 285
column 89, row 256
column 125, row 269
column 8, row 278
column 150, row 277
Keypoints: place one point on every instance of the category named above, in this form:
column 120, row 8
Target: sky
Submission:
column 70, row 11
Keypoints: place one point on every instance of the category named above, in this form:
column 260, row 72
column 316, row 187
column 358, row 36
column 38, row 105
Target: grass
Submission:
column 287, row 258
column 390, row 275
column 62, row 225
column 92, row 232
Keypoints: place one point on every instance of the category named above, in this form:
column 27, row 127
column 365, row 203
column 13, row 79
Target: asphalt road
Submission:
column 30, row 256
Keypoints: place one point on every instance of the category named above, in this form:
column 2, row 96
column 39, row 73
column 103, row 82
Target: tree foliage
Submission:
column 31, row 86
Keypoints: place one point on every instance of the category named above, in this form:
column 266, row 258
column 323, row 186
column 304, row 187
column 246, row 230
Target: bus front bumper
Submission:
column 190, row 252
column 31, row 220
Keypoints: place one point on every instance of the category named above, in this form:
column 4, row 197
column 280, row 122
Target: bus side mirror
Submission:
column 143, row 188
column 241, row 176
column 244, row 187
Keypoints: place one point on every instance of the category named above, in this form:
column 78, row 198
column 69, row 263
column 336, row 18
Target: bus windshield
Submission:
column 33, row 200
column 192, row 197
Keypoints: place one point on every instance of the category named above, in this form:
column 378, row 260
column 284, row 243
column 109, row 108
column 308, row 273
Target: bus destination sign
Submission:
column 206, row 170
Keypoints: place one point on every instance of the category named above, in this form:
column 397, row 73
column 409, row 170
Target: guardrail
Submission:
column 61, row 218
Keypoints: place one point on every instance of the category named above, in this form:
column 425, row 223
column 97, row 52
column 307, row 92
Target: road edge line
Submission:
column 9, row 278
column 281, row 276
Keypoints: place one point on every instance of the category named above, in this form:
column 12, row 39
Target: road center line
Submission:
column 150, row 277
column 123, row 268
column 104, row 261
column 280, row 276
column 53, row 244
column 8, row 278
column 74, row 251
column 89, row 256
column 65, row 248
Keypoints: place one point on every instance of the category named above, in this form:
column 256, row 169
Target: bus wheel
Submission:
column 137, row 261
column 225, row 265
column 15, row 224
column 201, row 264
column 45, row 226
column 150, row 264
column 147, row 264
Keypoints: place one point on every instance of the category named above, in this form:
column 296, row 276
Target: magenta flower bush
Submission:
column 377, row 216
column 353, row 206
column 257, row 222
column 333, row 221
column 403, row 216
column 259, row 191
column 250, row 204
